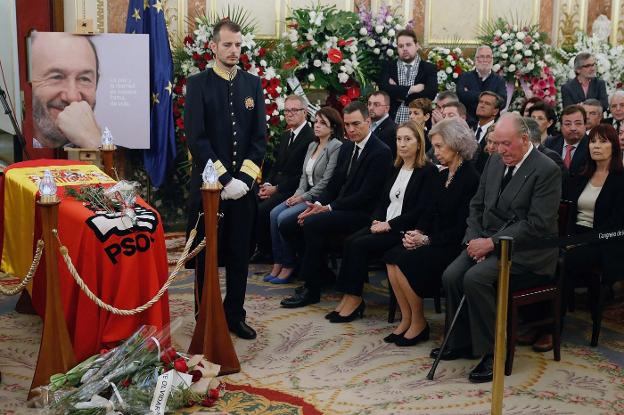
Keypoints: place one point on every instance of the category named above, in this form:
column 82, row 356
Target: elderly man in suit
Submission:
column 283, row 178
column 585, row 84
column 383, row 125
column 616, row 106
column 407, row 78
column 572, row 144
column 518, row 196
column 346, row 204
column 471, row 84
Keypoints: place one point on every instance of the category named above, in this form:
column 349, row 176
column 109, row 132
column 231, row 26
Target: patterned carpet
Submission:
column 301, row 364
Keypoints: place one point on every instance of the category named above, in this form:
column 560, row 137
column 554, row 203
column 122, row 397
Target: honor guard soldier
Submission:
column 225, row 122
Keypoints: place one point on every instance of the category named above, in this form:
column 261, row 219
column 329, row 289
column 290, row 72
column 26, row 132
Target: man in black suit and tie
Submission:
column 383, row 125
column 488, row 109
column 518, row 196
column 585, row 84
column 593, row 111
column 616, row 106
column 283, row 179
column 572, row 144
column 346, row 204
column 408, row 78
column 471, row 84
column 535, row 136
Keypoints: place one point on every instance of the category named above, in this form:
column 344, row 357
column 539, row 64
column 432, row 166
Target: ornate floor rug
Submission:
column 302, row 364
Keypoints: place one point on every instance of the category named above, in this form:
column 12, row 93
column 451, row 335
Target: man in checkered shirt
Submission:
column 407, row 78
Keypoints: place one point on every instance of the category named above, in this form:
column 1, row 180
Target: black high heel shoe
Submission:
column 331, row 315
column 392, row 338
column 358, row 312
column 420, row 337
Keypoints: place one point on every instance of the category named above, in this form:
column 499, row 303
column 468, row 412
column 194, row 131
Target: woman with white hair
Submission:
column 425, row 251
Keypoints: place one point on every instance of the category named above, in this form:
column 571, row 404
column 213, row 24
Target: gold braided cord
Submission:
column 29, row 276
column 125, row 312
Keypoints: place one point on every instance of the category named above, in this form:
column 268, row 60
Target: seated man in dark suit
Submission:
column 585, row 84
column 345, row 206
column 518, row 196
column 471, row 84
column 407, row 78
column 283, row 178
column 616, row 106
column 383, row 125
column 593, row 111
column 572, row 143
column 535, row 135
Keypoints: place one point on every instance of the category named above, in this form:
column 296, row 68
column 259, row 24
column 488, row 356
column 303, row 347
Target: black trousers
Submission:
column 316, row 229
column 263, row 226
column 234, row 234
column 359, row 250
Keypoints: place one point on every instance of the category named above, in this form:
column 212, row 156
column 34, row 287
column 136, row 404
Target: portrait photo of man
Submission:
column 64, row 77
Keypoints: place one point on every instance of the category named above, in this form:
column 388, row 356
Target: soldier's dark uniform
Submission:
column 225, row 122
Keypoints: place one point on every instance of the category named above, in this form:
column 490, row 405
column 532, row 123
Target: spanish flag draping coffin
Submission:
column 123, row 265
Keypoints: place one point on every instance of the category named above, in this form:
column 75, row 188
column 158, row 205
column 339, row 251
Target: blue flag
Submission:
column 148, row 17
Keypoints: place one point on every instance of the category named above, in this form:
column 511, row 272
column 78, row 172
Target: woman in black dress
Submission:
column 401, row 201
column 435, row 239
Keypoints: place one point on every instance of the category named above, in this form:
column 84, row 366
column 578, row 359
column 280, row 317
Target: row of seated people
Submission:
column 428, row 223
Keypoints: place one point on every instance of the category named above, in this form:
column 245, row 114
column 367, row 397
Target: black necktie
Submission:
column 618, row 124
column 354, row 158
column 292, row 138
column 507, row 177
column 478, row 133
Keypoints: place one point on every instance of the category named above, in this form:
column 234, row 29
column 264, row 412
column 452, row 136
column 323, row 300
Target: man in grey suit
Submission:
column 518, row 196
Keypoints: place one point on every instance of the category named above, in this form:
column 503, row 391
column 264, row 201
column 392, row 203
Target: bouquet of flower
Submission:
column 324, row 52
column 450, row 63
column 136, row 377
column 517, row 49
column 544, row 87
column 377, row 33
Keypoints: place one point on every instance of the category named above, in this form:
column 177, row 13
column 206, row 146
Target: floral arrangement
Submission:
column 323, row 51
column 378, row 31
column 544, row 87
column 450, row 63
column 194, row 55
column 133, row 378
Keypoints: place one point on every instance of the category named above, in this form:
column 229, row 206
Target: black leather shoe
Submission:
column 452, row 354
column 392, row 338
column 301, row 299
column 484, row 371
column 242, row 330
column 331, row 315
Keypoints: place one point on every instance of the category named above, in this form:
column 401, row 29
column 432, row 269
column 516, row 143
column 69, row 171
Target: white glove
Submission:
column 235, row 189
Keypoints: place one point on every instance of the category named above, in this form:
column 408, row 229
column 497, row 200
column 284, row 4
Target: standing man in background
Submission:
column 383, row 125
column 225, row 122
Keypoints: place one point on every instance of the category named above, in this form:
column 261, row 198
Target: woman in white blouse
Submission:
column 318, row 168
column 402, row 201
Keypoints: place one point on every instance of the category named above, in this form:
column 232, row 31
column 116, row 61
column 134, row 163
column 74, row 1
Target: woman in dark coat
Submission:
column 435, row 240
column 402, row 200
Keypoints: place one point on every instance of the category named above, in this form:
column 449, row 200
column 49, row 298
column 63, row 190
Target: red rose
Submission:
column 274, row 120
column 440, row 63
column 244, row 58
column 180, row 365
column 207, row 56
column 261, row 52
column 183, row 138
column 169, row 355
column 213, row 393
column 344, row 100
column 334, row 55
column 290, row 64
column 457, row 70
column 260, row 71
column 196, row 56
column 264, row 83
column 353, row 92
column 275, row 82
column 552, row 90
column 197, row 375
column 188, row 40
column 208, row 402
column 181, row 101
column 201, row 66
column 342, row 43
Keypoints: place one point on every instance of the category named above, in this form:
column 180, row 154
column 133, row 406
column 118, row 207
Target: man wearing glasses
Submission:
column 585, row 85
column 382, row 125
column 471, row 84
column 283, row 179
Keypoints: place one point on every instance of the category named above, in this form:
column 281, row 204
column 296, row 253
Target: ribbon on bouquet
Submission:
column 297, row 89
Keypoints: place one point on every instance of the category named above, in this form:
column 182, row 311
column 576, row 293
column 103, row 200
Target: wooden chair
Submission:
column 550, row 293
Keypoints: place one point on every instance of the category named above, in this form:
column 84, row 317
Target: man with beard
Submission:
column 585, row 85
column 471, row 84
column 225, row 122
column 382, row 125
column 64, row 82
column 407, row 78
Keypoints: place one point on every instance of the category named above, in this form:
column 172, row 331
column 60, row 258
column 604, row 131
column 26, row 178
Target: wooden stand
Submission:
column 212, row 337
column 56, row 354
column 108, row 161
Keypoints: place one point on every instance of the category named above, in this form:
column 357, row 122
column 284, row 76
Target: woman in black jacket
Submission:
column 435, row 240
column 598, row 205
column 402, row 200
